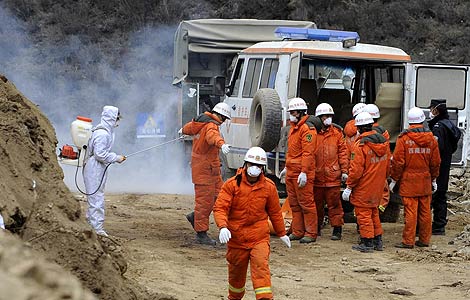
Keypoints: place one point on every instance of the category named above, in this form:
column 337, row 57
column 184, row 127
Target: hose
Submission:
column 101, row 181
column 107, row 166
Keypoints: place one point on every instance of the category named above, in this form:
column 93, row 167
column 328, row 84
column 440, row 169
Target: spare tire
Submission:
column 265, row 119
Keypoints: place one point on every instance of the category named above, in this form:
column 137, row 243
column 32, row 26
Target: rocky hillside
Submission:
column 430, row 30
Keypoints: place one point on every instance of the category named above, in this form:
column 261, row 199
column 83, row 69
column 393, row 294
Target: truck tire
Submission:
column 265, row 119
column 225, row 171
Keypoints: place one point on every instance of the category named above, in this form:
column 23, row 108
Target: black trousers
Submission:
column 439, row 210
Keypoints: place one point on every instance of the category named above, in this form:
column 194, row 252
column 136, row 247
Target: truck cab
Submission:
column 332, row 67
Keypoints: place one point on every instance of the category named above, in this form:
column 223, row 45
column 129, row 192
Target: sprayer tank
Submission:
column 81, row 131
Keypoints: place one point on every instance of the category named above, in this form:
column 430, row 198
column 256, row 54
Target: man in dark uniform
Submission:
column 447, row 135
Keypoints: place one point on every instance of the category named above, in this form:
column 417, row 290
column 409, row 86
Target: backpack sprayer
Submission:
column 80, row 130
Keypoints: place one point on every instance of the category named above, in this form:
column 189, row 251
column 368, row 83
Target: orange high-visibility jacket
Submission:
column 205, row 162
column 301, row 147
column 243, row 208
column 331, row 157
column 350, row 134
column 370, row 166
column 416, row 161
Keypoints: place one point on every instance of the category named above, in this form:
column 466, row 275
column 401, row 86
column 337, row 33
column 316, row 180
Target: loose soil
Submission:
column 160, row 248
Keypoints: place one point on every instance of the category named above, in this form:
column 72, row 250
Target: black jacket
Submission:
column 445, row 141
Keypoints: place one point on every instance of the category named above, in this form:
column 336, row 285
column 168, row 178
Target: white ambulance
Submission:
column 331, row 66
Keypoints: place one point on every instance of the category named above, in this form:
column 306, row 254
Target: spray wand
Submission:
column 129, row 155
column 156, row 146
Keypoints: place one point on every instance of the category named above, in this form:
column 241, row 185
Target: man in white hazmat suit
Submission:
column 99, row 157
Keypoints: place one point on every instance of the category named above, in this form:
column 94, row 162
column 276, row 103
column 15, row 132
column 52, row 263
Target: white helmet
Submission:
column 223, row 109
column 257, row 156
column 324, row 109
column 297, row 104
column 416, row 116
column 373, row 110
column 363, row 118
column 357, row 109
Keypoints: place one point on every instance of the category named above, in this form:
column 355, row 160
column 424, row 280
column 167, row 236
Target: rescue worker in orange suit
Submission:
column 331, row 161
column 415, row 165
column 369, row 167
column 241, row 212
column 205, row 166
column 350, row 129
column 299, row 172
column 374, row 111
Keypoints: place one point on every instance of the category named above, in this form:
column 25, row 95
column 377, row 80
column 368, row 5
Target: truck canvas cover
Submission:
column 222, row 36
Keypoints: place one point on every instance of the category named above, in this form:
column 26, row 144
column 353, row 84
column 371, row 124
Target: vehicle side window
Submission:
column 237, row 77
column 441, row 83
column 268, row 76
column 253, row 71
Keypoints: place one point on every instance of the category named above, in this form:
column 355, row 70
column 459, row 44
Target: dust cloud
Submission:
column 78, row 78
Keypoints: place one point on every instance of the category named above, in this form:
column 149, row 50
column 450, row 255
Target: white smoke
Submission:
column 77, row 78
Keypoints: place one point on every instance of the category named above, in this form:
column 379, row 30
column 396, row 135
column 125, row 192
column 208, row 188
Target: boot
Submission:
column 404, row 246
column 293, row 237
column 365, row 246
column 336, row 235
column 378, row 243
column 307, row 240
column 421, row 244
column 204, row 239
column 190, row 218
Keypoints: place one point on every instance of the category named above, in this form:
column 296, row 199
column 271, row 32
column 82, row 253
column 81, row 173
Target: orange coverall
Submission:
column 350, row 134
column 415, row 164
column 301, row 144
column 331, row 160
column 205, row 165
column 243, row 208
column 386, row 195
column 370, row 166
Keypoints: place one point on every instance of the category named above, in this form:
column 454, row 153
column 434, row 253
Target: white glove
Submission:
column 225, row 149
column 224, row 235
column 121, row 158
column 180, row 132
column 344, row 177
column 392, row 185
column 285, row 239
column 434, row 186
column 346, row 194
column 282, row 176
column 302, row 179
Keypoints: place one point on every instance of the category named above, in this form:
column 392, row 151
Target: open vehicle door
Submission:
column 451, row 82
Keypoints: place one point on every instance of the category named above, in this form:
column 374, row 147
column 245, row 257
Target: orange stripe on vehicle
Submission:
column 239, row 120
column 330, row 53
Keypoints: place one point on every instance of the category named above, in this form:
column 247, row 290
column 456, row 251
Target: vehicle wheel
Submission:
column 265, row 119
column 281, row 187
column 225, row 171
column 391, row 213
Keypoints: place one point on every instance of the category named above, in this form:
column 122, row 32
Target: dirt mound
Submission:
column 36, row 204
column 25, row 276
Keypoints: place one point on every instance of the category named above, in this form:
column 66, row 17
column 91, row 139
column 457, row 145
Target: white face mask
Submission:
column 253, row 171
column 431, row 115
column 293, row 119
column 117, row 123
column 328, row 121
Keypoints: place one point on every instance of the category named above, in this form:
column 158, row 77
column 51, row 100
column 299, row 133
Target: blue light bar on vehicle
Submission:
column 294, row 33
